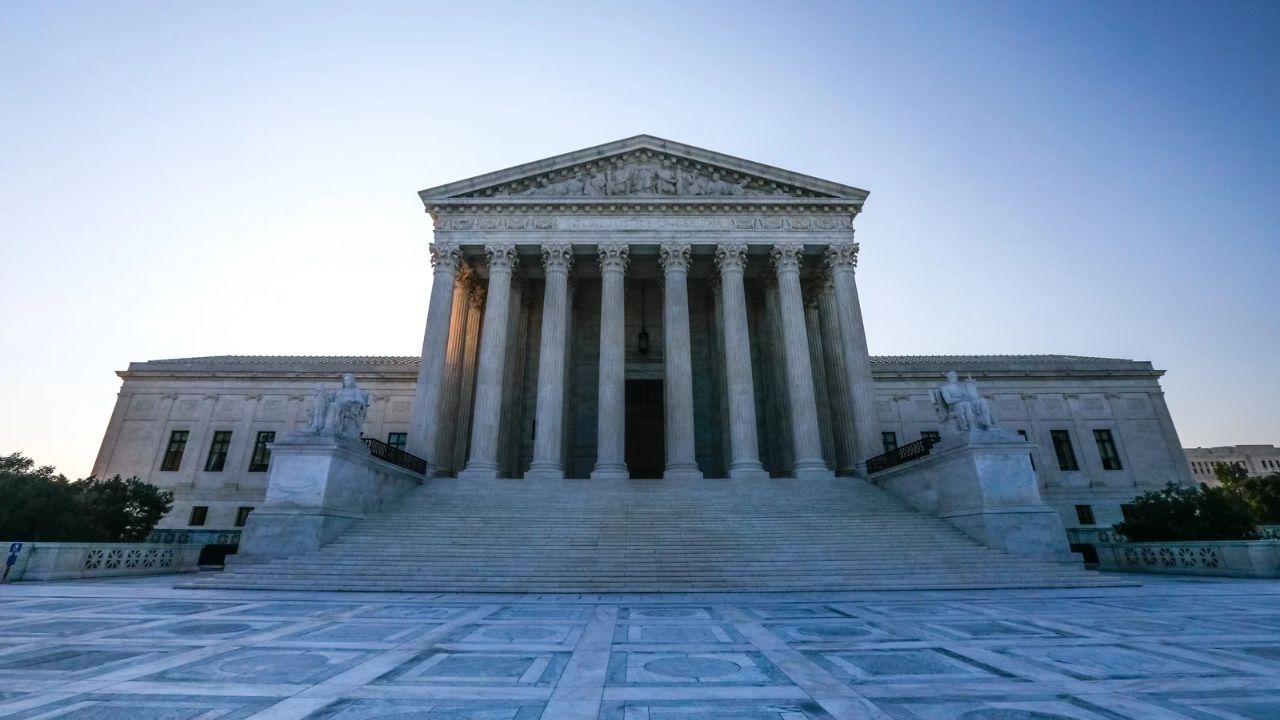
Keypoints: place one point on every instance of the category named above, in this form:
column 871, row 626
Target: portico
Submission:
column 730, row 283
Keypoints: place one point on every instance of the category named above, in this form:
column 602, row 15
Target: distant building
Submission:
column 1255, row 459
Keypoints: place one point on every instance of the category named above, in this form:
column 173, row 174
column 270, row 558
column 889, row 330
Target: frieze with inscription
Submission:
column 579, row 223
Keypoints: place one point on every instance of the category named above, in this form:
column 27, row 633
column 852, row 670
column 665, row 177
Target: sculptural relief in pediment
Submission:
column 641, row 175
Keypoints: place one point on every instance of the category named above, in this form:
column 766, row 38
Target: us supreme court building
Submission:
column 642, row 309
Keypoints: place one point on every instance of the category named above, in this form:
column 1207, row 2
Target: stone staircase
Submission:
column 579, row 536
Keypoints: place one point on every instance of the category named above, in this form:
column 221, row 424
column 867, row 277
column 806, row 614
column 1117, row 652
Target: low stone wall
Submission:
column 1225, row 558
column 68, row 561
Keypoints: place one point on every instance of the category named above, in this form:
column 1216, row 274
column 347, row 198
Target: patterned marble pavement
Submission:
column 139, row 649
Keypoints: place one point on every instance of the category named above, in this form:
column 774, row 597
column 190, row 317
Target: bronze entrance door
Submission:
column 646, row 451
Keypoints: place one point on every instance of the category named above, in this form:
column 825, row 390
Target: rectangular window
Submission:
column 218, row 451
column 198, row 515
column 1107, row 449
column 398, row 440
column 1126, row 511
column 889, row 440
column 242, row 514
column 1062, row 446
column 261, row 458
column 1084, row 513
column 1030, row 456
column 931, row 435
column 173, row 453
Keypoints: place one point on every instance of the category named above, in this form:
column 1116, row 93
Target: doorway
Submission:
column 646, row 446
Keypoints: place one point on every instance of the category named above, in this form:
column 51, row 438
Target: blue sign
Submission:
column 14, row 549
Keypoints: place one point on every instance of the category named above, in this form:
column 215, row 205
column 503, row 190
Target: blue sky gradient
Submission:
column 1095, row 178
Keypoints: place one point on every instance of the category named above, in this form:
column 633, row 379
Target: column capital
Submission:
column 557, row 257
column 675, row 256
column 787, row 257
column 501, row 256
column 445, row 257
column 464, row 275
column 614, row 257
column 842, row 256
column 475, row 298
column 731, row 257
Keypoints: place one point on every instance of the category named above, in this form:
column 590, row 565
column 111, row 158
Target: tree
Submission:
column 122, row 510
column 38, row 503
column 1189, row 513
column 1261, row 494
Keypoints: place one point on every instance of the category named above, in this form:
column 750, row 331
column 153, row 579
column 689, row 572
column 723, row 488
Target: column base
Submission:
column 748, row 471
column 544, row 471
column 682, row 472
column 812, row 470
column 479, row 471
column 610, row 471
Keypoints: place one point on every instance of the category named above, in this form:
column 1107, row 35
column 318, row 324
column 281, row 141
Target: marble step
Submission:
column 651, row 536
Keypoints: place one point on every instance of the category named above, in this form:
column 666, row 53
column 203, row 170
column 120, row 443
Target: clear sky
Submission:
column 178, row 179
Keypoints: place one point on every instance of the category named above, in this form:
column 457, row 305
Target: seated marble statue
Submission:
column 961, row 406
column 340, row 412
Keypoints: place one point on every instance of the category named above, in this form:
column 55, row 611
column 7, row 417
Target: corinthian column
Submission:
column 805, row 436
column 744, row 450
column 813, row 328
column 467, row 381
column 678, row 363
column 838, row 381
column 557, row 258
column 842, row 258
column 611, row 416
column 435, row 341
column 446, row 463
column 487, row 414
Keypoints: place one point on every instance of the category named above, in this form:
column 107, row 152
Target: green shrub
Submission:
column 1189, row 513
column 41, row 504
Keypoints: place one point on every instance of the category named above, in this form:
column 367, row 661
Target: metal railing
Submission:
column 898, row 456
column 395, row 456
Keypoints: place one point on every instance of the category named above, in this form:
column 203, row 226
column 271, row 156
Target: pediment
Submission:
column 642, row 168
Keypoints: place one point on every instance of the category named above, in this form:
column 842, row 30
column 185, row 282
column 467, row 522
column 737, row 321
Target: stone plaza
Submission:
column 141, row 650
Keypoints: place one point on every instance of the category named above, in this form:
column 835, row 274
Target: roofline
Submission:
column 848, row 193
column 923, row 367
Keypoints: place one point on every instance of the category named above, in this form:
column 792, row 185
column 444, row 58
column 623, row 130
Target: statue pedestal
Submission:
column 319, row 485
column 981, row 481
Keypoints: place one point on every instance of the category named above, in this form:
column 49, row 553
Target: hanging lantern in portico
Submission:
column 642, row 340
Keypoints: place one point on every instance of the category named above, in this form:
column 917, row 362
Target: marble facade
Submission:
column 640, row 309
column 737, row 251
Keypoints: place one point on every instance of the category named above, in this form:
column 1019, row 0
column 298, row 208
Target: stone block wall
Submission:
column 246, row 395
